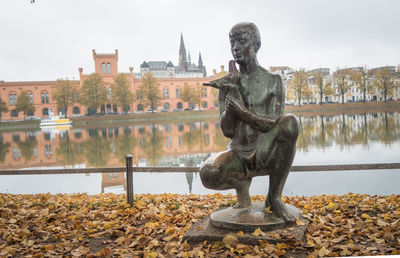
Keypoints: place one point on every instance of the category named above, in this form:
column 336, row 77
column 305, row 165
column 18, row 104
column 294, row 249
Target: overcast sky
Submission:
column 52, row 38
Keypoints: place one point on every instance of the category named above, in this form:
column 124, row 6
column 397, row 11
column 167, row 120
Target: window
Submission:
column 13, row 98
column 103, row 67
column 178, row 93
column 45, row 111
column 168, row 141
column 179, row 105
column 204, row 92
column 166, row 93
column 166, row 106
column 30, row 97
column 45, row 97
column 139, row 95
column 76, row 110
column 204, row 104
column 110, row 93
column 48, row 150
column 108, row 68
column 16, row 153
column 14, row 113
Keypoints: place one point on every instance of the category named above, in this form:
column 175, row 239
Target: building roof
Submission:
column 170, row 64
column 144, row 65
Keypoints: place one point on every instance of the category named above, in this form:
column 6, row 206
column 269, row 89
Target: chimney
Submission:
column 80, row 75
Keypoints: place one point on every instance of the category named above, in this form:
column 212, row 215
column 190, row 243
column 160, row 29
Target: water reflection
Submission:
column 180, row 144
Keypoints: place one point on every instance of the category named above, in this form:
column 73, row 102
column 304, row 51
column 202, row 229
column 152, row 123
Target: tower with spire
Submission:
column 182, row 55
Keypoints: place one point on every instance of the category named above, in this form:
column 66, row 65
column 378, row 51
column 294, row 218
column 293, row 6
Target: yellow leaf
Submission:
column 331, row 205
column 282, row 246
column 258, row 232
column 268, row 210
column 240, row 233
column 365, row 216
column 230, row 240
column 300, row 222
column 151, row 255
column 169, row 230
column 141, row 204
column 307, row 207
column 323, row 252
column 108, row 225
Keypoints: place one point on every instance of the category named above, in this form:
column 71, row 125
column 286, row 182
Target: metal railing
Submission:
column 129, row 169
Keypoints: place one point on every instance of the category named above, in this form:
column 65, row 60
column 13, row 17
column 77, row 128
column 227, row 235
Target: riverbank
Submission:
column 187, row 116
column 104, row 225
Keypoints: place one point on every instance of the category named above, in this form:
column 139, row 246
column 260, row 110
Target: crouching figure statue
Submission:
column 263, row 138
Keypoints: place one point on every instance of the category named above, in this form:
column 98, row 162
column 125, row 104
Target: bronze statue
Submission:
column 263, row 138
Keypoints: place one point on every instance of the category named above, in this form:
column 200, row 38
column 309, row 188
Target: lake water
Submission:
column 343, row 139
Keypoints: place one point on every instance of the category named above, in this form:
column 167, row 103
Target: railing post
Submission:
column 129, row 180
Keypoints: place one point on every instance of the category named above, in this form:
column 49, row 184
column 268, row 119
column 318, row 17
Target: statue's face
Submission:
column 242, row 47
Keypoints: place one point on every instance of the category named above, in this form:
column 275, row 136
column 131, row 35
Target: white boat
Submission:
column 54, row 121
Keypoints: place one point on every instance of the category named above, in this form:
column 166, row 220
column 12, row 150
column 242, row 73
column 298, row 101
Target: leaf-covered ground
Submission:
column 104, row 225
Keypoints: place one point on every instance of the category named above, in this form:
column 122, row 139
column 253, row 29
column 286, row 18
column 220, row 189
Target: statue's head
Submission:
column 245, row 41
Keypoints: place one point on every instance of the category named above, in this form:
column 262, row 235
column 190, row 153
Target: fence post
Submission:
column 129, row 180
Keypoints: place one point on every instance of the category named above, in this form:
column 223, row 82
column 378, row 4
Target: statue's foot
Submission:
column 280, row 210
column 242, row 204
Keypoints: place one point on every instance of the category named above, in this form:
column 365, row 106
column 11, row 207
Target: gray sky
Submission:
column 52, row 38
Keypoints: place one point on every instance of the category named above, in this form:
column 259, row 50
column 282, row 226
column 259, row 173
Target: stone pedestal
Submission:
column 249, row 219
column 229, row 221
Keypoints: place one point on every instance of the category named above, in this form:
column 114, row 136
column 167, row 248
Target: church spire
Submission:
column 189, row 59
column 200, row 60
column 182, row 53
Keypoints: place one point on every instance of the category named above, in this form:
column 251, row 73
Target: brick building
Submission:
column 106, row 65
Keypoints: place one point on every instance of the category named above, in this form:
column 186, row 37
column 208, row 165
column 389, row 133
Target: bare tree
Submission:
column 385, row 81
column 299, row 83
column 340, row 76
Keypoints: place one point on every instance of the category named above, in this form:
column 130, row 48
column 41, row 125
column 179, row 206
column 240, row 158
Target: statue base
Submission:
column 229, row 221
column 251, row 218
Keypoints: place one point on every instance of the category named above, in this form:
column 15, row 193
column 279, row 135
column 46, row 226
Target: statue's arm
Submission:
column 228, row 121
column 274, row 103
column 261, row 123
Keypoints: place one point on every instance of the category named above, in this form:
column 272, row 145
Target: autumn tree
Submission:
column 3, row 107
column 361, row 78
column 340, row 76
column 27, row 147
column 121, row 92
column 299, row 83
column 385, row 81
column 307, row 92
column 24, row 103
column 63, row 93
column 93, row 94
column 324, row 85
column 150, row 91
column 197, row 94
column 187, row 94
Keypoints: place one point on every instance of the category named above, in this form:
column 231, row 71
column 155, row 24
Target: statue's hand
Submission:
column 233, row 106
column 229, row 86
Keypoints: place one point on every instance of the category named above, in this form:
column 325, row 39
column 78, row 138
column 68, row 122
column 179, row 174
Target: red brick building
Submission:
column 106, row 65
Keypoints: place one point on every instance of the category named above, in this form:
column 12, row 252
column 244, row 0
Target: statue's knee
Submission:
column 290, row 123
column 210, row 176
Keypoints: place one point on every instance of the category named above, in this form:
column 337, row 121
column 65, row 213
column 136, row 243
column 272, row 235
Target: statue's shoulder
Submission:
column 265, row 74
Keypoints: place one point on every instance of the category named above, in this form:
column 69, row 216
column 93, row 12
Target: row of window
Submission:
column 44, row 95
column 48, row 151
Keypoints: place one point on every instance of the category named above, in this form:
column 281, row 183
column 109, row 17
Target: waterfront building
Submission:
column 170, row 79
